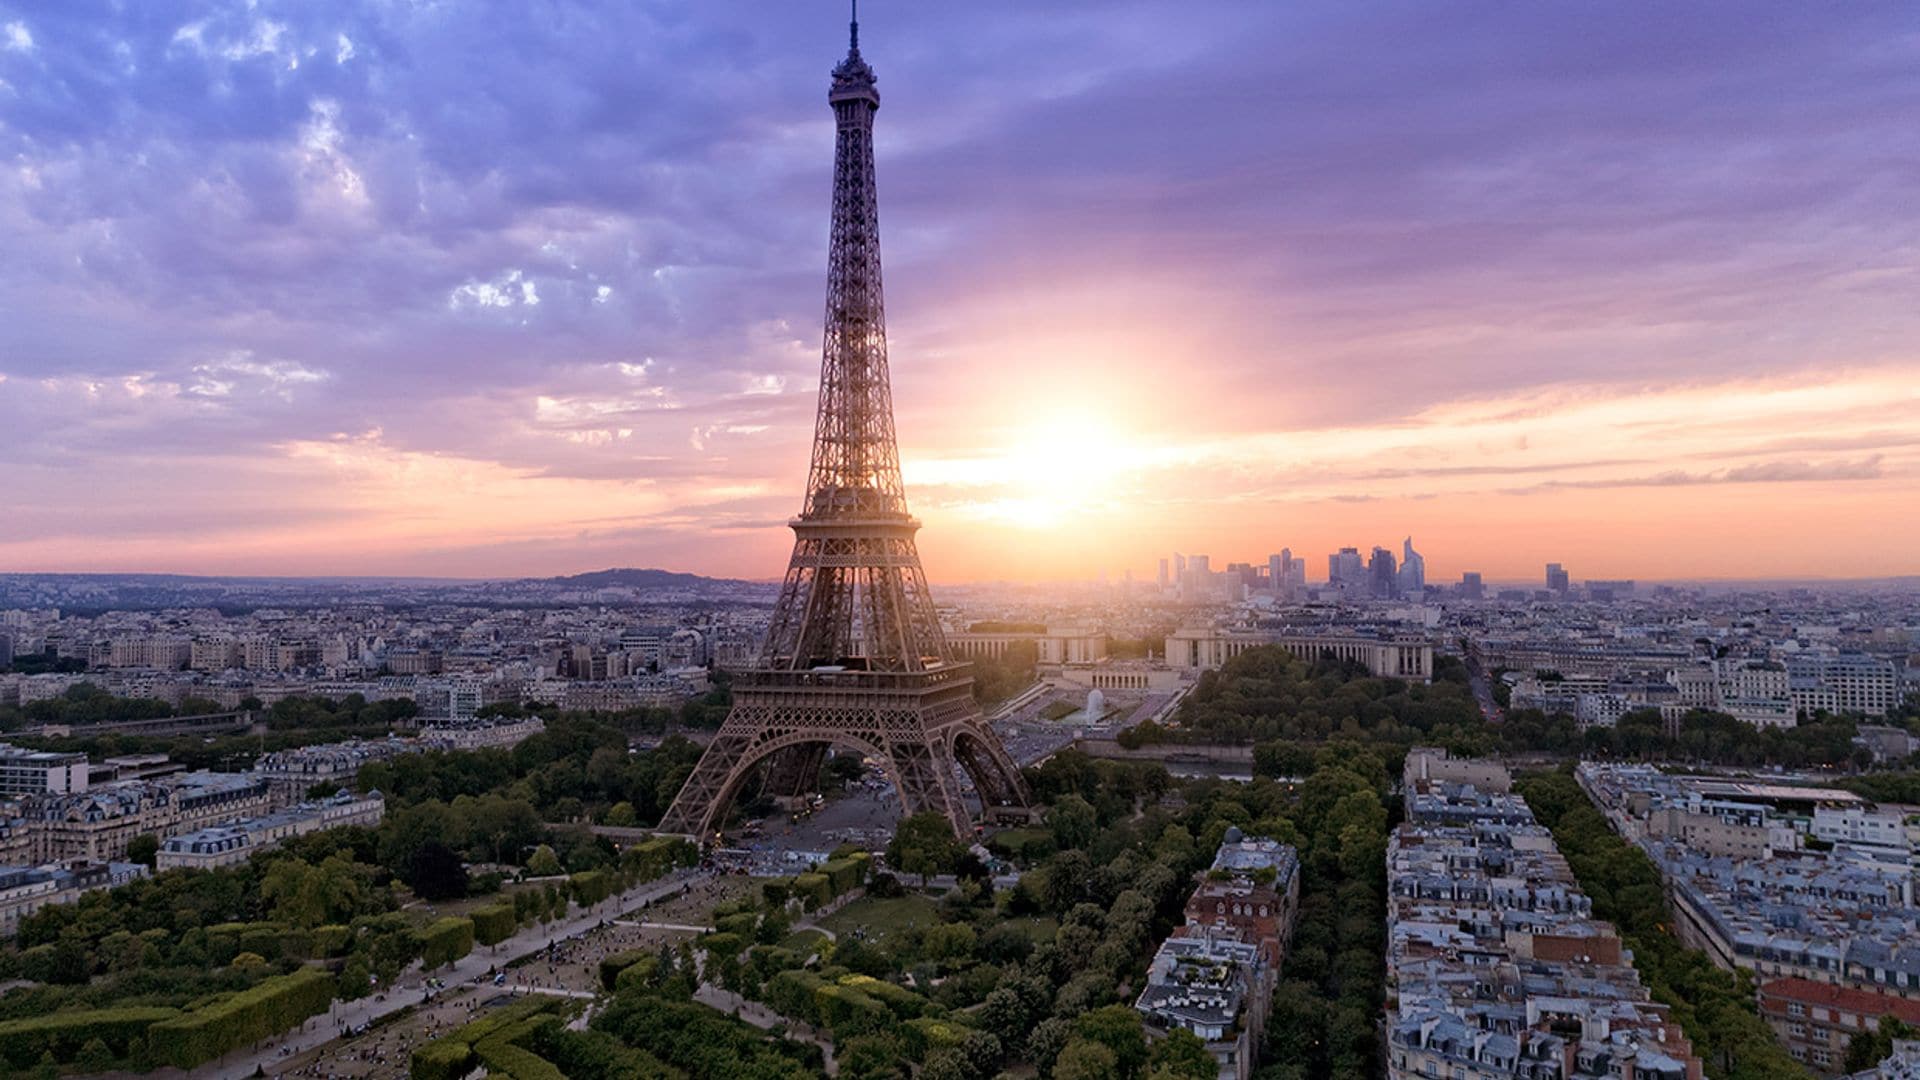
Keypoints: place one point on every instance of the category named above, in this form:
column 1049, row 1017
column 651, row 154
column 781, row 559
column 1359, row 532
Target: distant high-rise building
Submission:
column 6, row 650
column 1557, row 580
column 1383, row 581
column 1295, row 571
column 1346, row 570
column 1286, row 575
column 1471, row 587
column 1609, row 590
column 1196, row 581
column 1413, row 569
column 1163, row 575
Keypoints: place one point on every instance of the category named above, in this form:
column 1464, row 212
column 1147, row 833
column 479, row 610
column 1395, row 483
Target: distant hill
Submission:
column 631, row 578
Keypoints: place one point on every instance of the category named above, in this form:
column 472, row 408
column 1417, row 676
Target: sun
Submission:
column 1059, row 469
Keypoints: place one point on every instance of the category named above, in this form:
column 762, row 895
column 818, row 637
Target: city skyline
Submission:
column 293, row 294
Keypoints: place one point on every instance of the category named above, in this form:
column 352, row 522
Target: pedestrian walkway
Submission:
column 473, row 968
column 753, row 1012
column 664, row 926
column 553, row 991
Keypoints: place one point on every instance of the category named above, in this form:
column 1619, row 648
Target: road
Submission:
column 1482, row 687
column 473, row 968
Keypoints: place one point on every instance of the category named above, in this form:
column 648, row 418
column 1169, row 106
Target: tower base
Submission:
column 916, row 726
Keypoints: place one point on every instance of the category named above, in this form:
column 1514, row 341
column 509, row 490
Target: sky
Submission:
column 424, row 287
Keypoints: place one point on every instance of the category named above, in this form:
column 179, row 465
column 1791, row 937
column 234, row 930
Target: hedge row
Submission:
column 268, row 940
column 445, row 941
column 817, row 888
column 847, row 874
column 453, row 1055
column 332, row 940
column 23, row 1041
column 930, row 1035
column 503, row 1055
column 637, row 975
column 652, row 858
column 494, row 924
column 441, row 1059
column 848, row 1012
column 612, row 965
column 235, row 1020
column 770, row 959
column 741, row 924
column 590, row 887
column 847, row 1005
column 724, row 945
column 901, row 1001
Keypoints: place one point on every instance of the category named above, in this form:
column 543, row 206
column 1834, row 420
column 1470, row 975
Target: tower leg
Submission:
column 709, row 788
column 795, row 771
column 994, row 774
column 925, row 770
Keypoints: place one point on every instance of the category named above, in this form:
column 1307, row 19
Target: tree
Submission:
column 1072, row 821
column 1868, row 1048
column 1118, row 1028
column 144, row 848
column 407, row 829
column 1005, row 1014
column 1066, row 879
column 304, row 895
column 437, row 873
column 1084, row 1059
column 870, row 1057
column 924, row 844
column 544, row 863
column 1045, row 1042
column 1182, row 1055
column 621, row 815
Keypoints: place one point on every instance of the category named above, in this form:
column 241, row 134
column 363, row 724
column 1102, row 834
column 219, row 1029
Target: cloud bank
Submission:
column 486, row 288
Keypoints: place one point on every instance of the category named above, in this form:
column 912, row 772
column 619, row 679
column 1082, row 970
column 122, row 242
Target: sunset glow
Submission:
column 1144, row 293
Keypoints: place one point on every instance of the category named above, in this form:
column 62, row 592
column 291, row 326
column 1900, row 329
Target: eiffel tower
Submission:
column 854, row 656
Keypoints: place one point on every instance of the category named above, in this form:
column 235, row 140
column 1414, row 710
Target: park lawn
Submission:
column 466, row 905
column 881, row 919
column 804, row 942
column 1038, row 929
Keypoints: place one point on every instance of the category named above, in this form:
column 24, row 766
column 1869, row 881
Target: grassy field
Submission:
column 804, row 942
column 880, row 919
column 1039, row 930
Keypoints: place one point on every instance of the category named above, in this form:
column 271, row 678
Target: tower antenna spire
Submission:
column 853, row 28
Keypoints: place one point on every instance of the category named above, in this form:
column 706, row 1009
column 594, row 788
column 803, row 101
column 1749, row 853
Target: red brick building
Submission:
column 1815, row 1021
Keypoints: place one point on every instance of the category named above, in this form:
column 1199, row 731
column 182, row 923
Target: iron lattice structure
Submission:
column 854, row 655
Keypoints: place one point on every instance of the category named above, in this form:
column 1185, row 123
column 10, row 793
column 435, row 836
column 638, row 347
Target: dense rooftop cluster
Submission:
column 1497, row 967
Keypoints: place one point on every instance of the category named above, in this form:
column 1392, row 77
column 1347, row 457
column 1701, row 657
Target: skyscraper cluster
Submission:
column 1382, row 576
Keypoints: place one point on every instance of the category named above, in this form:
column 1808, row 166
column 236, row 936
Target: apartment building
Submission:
column 36, row 772
column 1842, row 917
column 1816, row 1020
column 25, row 890
column 1496, row 967
column 1215, row 975
column 1844, row 683
column 236, row 841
